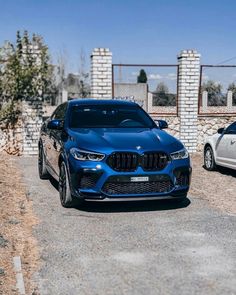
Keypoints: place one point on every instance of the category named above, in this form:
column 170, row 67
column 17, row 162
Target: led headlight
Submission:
column 181, row 154
column 86, row 155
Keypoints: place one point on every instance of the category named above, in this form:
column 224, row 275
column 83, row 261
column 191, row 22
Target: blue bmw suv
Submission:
column 106, row 150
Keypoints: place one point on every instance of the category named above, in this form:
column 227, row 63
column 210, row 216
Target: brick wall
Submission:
column 101, row 73
column 189, row 73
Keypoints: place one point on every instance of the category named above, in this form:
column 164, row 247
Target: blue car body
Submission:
column 131, row 163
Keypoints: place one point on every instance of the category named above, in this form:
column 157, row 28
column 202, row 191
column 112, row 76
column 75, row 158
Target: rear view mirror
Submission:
column 220, row 130
column 55, row 125
column 162, row 124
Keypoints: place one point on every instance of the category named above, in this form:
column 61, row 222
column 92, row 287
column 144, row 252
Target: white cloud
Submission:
column 135, row 73
column 171, row 76
column 205, row 77
column 154, row 77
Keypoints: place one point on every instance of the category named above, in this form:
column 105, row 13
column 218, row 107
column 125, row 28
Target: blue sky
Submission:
column 146, row 31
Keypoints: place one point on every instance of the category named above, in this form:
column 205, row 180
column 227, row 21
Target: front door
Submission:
column 231, row 135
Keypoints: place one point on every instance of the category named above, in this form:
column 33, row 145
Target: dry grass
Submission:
column 16, row 222
column 217, row 187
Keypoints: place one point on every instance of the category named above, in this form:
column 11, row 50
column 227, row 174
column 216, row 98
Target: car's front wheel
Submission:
column 66, row 198
column 209, row 160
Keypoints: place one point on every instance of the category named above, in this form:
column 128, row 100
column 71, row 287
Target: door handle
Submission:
column 233, row 141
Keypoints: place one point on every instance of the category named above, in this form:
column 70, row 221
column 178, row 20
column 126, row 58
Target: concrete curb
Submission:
column 19, row 276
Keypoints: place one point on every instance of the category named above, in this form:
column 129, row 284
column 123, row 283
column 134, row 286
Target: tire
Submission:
column 209, row 159
column 66, row 198
column 43, row 173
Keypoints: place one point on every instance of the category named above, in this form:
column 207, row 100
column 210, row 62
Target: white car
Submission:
column 220, row 148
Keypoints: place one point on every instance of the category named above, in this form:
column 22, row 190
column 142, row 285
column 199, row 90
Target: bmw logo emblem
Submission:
column 138, row 147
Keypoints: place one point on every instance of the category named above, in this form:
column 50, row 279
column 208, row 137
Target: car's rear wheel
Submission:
column 43, row 173
column 66, row 198
column 209, row 159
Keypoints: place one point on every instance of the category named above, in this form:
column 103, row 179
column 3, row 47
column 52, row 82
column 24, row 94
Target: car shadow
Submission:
column 224, row 171
column 133, row 206
column 128, row 206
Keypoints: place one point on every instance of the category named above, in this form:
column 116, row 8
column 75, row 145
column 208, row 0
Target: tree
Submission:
column 214, row 90
column 84, row 88
column 142, row 77
column 162, row 97
column 26, row 71
column 162, row 88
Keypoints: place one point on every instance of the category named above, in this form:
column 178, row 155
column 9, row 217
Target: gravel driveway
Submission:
column 131, row 248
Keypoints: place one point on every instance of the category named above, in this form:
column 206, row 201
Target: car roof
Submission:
column 93, row 101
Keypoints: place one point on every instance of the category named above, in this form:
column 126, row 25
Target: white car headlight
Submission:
column 86, row 155
column 181, row 154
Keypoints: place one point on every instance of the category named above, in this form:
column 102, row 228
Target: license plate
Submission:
column 139, row 178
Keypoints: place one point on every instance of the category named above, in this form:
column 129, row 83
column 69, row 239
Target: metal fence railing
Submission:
column 158, row 94
column 217, row 90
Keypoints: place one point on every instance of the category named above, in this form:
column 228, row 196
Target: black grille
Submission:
column 123, row 161
column 154, row 161
column 149, row 161
column 122, row 187
column 89, row 180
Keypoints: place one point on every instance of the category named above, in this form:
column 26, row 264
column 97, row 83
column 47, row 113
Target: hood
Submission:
column 126, row 139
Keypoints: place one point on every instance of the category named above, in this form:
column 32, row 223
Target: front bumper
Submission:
column 96, row 181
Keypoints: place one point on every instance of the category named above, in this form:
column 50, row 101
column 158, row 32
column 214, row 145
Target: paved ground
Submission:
column 135, row 248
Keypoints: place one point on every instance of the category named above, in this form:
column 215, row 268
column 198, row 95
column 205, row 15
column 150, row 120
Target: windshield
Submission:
column 109, row 116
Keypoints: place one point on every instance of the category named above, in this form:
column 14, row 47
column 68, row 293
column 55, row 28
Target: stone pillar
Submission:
column 204, row 101
column 229, row 100
column 32, row 122
column 189, row 73
column 64, row 95
column 101, row 73
column 149, row 102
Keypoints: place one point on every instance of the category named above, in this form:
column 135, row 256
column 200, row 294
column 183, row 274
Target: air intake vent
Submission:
column 121, row 185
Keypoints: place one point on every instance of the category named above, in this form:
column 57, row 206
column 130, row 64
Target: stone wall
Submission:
column 101, row 73
column 208, row 125
column 11, row 137
column 21, row 137
column 32, row 121
column 173, row 123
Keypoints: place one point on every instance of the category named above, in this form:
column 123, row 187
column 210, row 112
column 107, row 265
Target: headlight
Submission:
column 86, row 155
column 182, row 154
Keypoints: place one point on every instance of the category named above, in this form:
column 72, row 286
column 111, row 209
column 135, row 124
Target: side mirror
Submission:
column 162, row 124
column 220, row 130
column 55, row 124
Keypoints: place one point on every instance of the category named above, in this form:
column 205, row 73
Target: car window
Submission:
column 109, row 116
column 60, row 112
column 231, row 129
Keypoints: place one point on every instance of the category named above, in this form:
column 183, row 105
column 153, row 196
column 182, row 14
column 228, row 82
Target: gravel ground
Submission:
column 217, row 187
column 133, row 248
column 16, row 222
